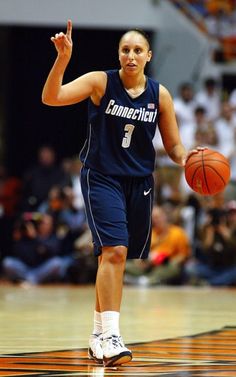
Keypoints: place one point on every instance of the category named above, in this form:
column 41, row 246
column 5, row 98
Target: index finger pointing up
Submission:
column 69, row 29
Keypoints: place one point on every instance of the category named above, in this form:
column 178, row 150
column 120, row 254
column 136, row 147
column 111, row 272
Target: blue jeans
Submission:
column 53, row 269
column 218, row 277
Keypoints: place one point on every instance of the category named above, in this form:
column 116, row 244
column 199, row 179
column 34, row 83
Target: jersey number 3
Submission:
column 129, row 128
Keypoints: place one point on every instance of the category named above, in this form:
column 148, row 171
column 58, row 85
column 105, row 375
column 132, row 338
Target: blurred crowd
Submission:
column 217, row 18
column 44, row 236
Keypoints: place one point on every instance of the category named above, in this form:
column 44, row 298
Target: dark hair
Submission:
column 200, row 110
column 217, row 215
column 141, row 32
column 185, row 85
column 210, row 81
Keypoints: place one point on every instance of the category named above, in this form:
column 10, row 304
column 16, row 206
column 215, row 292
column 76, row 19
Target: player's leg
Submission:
column 95, row 340
column 106, row 213
column 109, row 287
column 110, row 277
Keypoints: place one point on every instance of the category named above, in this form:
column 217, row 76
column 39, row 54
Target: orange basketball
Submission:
column 207, row 172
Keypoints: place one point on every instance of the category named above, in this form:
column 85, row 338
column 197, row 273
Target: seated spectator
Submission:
column 225, row 128
column 216, row 260
column 218, row 21
column 39, row 179
column 209, row 97
column 168, row 174
column 70, row 221
column 170, row 248
column 83, row 270
column 184, row 104
column 71, row 218
column 73, row 167
column 204, row 135
column 37, row 255
column 53, row 204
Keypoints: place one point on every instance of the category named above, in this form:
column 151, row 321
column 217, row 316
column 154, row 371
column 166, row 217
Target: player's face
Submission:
column 134, row 52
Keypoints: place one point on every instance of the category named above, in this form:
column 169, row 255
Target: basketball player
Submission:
column 125, row 107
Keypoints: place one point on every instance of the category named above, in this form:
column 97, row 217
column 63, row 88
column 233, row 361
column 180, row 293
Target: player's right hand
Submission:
column 63, row 42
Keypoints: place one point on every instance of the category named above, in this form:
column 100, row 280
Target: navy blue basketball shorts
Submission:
column 118, row 211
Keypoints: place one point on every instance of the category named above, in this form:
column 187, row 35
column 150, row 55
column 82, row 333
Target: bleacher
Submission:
column 217, row 19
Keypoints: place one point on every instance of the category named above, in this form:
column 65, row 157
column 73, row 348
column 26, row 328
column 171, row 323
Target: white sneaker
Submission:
column 115, row 352
column 95, row 348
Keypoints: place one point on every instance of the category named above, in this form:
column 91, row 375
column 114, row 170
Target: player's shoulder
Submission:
column 97, row 75
column 164, row 92
column 164, row 95
column 98, row 80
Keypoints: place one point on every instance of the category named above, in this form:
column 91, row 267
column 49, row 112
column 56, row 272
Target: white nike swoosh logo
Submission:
column 147, row 192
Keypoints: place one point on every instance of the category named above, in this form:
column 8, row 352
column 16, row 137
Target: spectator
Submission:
column 170, row 248
column 71, row 218
column 225, row 128
column 216, row 264
column 184, row 105
column 54, row 203
column 84, row 267
column 70, row 221
column 168, row 174
column 73, row 167
column 218, row 22
column 205, row 133
column 209, row 97
column 40, row 178
column 37, row 252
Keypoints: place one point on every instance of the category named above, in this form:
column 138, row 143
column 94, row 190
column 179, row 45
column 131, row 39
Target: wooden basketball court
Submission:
column 172, row 331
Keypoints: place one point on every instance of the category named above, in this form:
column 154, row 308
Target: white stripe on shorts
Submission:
column 90, row 209
column 149, row 227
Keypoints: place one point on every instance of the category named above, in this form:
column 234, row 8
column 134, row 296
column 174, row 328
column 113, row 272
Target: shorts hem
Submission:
column 98, row 249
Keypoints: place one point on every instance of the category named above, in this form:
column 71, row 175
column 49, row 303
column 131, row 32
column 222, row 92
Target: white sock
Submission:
column 110, row 323
column 97, row 323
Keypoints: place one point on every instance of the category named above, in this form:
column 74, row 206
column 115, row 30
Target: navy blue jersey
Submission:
column 121, row 129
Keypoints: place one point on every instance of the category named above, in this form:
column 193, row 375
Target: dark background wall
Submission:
column 28, row 57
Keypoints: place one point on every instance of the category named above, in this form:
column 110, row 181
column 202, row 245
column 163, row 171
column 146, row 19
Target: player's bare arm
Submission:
column 55, row 93
column 169, row 129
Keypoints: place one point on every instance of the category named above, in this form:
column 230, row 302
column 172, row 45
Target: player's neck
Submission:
column 134, row 85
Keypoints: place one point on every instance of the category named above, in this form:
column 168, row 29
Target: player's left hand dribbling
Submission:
column 193, row 151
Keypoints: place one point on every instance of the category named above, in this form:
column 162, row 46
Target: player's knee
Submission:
column 115, row 255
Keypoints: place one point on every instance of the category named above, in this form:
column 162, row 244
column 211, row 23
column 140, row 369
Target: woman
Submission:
column 118, row 161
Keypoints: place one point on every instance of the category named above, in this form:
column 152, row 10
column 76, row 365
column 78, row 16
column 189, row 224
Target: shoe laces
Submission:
column 96, row 339
column 116, row 341
column 96, row 342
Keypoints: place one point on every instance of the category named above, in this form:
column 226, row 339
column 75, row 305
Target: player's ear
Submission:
column 149, row 55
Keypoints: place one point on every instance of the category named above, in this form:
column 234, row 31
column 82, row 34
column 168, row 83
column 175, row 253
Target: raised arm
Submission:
column 55, row 93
